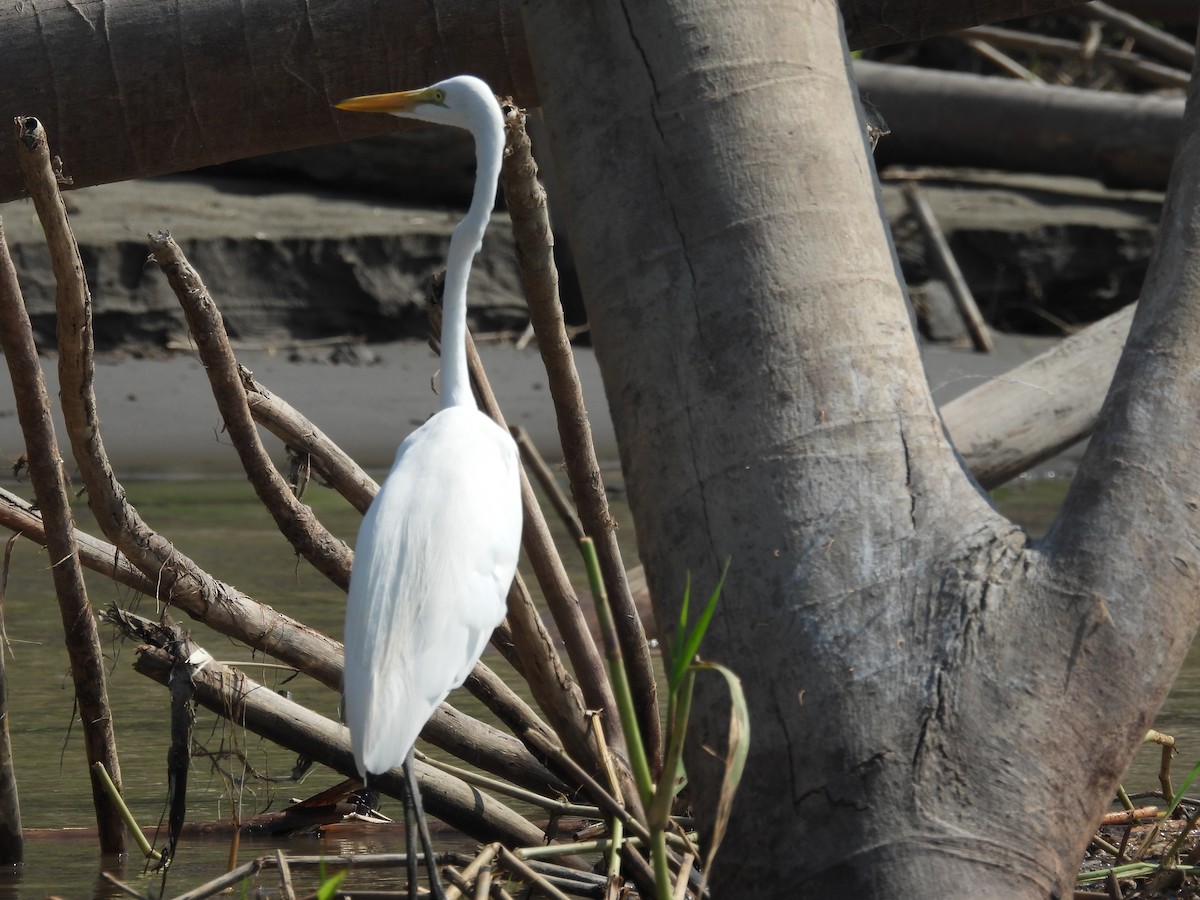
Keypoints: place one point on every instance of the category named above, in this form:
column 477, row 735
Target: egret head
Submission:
column 462, row 100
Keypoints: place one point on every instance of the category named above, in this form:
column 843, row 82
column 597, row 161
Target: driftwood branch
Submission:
column 177, row 579
column 232, row 694
column 46, row 470
column 526, row 202
column 1011, row 423
column 328, row 554
column 947, row 265
column 528, row 632
column 1032, row 42
column 1167, row 46
column 536, row 463
column 333, row 464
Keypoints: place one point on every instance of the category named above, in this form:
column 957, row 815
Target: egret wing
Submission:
column 434, row 559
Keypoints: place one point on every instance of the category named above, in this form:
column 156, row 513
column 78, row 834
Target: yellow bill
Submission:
column 400, row 102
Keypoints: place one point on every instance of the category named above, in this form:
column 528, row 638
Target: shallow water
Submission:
column 221, row 525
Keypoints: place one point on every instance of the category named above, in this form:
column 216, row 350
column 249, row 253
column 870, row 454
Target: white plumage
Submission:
column 438, row 548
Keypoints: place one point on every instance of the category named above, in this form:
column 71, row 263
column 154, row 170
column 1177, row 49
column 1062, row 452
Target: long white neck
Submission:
column 464, row 244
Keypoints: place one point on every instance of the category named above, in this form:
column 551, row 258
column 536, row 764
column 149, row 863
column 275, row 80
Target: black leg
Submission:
column 410, row 836
column 414, row 792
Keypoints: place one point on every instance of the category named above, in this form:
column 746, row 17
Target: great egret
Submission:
column 437, row 549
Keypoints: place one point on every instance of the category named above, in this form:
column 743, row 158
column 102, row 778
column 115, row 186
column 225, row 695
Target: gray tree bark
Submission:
column 939, row 705
column 129, row 88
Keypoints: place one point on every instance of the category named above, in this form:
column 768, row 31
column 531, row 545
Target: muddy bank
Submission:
column 285, row 259
column 288, row 262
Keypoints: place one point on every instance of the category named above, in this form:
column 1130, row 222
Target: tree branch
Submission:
column 49, row 483
column 526, row 202
column 328, row 554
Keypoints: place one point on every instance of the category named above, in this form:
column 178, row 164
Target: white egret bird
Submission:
column 437, row 549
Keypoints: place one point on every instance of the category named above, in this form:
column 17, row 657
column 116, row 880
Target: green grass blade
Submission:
column 691, row 645
column 329, row 887
column 735, row 755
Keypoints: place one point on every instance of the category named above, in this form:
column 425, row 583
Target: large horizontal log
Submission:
column 1010, row 424
column 129, row 88
column 956, row 119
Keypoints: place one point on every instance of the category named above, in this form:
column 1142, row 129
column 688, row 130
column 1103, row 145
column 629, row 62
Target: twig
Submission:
column 286, row 423
column 1165, row 45
column 535, row 463
column 1049, row 46
column 231, row 694
column 22, row 517
column 286, row 891
column 551, row 805
column 242, row 872
column 944, row 260
column 482, row 860
column 1129, row 816
column 516, row 715
column 122, row 886
column 329, row 555
column 1167, row 742
column 681, row 882
column 526, row 202
column 46, row 470
column 1003, row 60
column 483, row 884
column 522, row 870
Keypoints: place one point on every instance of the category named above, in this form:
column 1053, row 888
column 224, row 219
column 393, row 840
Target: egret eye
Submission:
column 439, row 96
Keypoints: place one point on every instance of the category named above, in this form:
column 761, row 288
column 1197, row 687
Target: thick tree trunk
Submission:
column 939, row 707
column 129, row 88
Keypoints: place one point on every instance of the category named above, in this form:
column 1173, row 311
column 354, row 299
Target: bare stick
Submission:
column 99, row 556
column 944, row 260
column 547, row 482
column 1154, row 73
column 1041, row 407
column 552, row 577
column 220, row 883
column 12, row 839
column 526, row 201
column 329, row 555
column 515, row 713
column 46, row 472
column 286, row 891
column 522, row 870
column 177, row 579
column 302, row 436
column 230, row 693
column 998, row 58
column 553, row 688
column 480, row 862
column 1165, row 45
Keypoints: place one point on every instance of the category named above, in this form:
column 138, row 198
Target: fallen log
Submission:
column 955, row 119
column 1008, row 425
column 131, row 88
